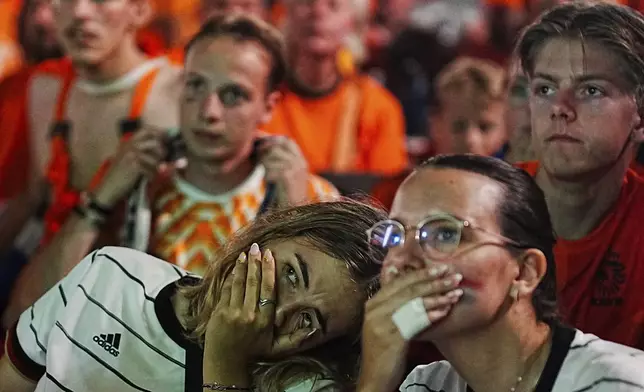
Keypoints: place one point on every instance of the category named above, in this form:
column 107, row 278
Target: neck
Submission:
column 125, row 58
column 316, row 73
column 579, row 206
column 494, row 359
column 216, row 178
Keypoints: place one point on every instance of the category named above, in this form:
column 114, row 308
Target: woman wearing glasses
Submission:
column 481, row 228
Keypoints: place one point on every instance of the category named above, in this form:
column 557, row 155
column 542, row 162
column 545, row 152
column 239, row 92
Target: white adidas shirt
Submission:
column 109, row 325
column 578, row 362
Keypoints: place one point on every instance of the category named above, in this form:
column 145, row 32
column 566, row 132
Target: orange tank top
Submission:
column 64, row 196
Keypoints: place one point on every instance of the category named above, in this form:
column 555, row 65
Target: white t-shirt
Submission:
column 109, row 325
column 578, row 362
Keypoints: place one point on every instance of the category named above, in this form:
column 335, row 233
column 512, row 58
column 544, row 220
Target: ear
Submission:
column 271, row 101
column 142, row 13
column 533, row 268
column 637, row 132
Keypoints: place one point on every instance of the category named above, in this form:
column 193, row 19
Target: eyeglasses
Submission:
column 438, row 235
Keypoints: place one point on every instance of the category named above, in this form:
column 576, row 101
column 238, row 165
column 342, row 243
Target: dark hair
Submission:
column 523, row 217
column 336, row 228
column 245, row 28
column 618, row 28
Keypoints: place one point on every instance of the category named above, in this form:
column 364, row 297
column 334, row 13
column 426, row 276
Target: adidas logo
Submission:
column 110, row 342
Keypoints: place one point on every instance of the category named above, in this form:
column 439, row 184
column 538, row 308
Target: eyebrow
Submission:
column 578, row 79
column 304, row 268
column 321, row 320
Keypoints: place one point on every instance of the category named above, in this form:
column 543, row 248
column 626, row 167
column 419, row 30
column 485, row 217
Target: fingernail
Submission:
column 308, row 335
column 453, row 280
column 241, row 258
column 254, row 249
column 455, row 293
column 433, row 272
column 268, row 255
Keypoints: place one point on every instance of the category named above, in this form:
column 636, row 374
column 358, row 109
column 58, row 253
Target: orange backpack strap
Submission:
column 139, row 99
column 346, row 142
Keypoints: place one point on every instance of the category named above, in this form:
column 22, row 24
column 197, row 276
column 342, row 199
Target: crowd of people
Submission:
column 185, row 216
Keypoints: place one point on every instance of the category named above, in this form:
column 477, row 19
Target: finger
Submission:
column 239, row 282
column 150, row 162
column 439, row 301
column 150, row 147
column 291, row 147
column 226, row 289
column 154, row 131
column 408, row 282
column 286, row 344
column 267, row 290
column 253, row 278
column 437, row 315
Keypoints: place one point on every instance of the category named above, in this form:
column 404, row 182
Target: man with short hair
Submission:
column 585, row 64
column 342, row 123
column 79, row 110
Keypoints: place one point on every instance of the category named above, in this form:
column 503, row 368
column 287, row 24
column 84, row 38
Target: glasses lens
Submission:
column 386, row 235
column 440, row 237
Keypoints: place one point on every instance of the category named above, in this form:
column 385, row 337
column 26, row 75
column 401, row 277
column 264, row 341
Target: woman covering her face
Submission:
column 280, row 309
column 470, row 268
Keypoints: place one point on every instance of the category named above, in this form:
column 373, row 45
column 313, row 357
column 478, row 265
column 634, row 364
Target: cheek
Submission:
column 482, row 272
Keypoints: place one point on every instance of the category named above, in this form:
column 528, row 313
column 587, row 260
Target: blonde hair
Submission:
column 471, row 79
column 335, row 228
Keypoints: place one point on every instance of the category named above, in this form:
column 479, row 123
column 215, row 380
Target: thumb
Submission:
column 291, row 342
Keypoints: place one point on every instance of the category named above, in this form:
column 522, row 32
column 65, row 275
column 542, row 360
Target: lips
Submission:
column 80, row 36
column 563, row 138
column 208, row 136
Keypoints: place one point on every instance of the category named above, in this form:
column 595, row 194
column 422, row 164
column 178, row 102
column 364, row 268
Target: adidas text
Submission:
column 109, row 342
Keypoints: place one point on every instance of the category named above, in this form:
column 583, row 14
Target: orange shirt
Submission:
column 600, row 276
column 189, row 225
column 313, row 123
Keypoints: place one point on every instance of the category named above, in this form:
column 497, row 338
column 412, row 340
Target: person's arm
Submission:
column 51, row 264
column 140, row 157
column 26, row 344
column 11, row 380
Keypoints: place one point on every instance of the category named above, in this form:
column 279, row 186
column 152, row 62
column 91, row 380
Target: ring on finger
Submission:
column 264, row 302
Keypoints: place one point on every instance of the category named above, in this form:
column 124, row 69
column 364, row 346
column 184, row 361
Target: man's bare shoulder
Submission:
column 164, row 97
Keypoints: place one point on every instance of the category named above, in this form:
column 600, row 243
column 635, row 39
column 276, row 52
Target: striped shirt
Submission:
column 578, row 362
column 110, row 325
column 190, row 225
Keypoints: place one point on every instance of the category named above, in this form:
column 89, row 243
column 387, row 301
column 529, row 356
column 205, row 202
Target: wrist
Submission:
column 103, row 199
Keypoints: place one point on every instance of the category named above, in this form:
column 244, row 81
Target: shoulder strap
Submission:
column 346, row 143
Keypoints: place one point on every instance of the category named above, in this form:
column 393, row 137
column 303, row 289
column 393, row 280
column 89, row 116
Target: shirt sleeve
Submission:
column 27, row 341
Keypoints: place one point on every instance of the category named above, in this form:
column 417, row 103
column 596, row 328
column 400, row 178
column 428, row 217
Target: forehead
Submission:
column 464, row 194
column 565, row 58
column 474, row 108
column 331, row 288
column 227, row 58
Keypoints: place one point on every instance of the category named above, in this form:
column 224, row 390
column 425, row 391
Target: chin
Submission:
column 320, row 46
column 568, row 169
column 87, row 57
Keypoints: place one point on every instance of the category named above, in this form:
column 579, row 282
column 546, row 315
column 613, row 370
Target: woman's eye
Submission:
column 543, row 90
column 306, row 321
column 592, row 91
column 291, row 275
